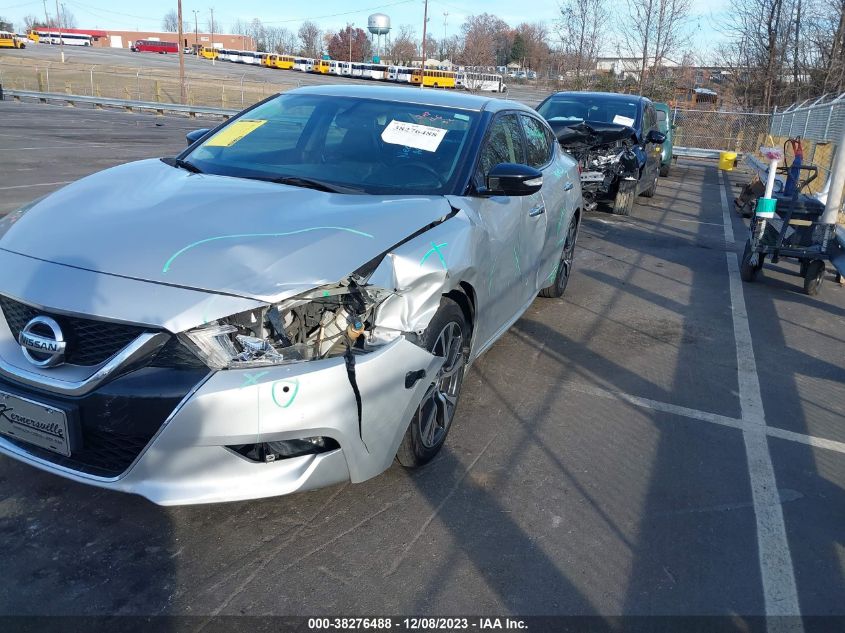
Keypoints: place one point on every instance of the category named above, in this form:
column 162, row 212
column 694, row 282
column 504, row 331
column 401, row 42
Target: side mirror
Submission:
column 195, row 135
column 512, row 179
column 655, row 137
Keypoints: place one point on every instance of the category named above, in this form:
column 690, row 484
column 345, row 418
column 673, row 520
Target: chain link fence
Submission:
column 717, row 130
column 142, row 84
column 821, row 119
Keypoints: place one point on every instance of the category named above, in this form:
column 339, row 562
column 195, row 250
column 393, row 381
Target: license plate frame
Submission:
column 38, row 423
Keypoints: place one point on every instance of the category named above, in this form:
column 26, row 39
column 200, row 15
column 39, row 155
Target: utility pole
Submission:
column 61, row 39
column 425, row 24
column 46, row 17
column 212, row 37
column 196, row 34
column 183, row 93
column 443, row 44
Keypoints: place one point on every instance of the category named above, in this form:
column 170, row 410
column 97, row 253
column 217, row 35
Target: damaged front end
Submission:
column 330, row 321
column 607, row 153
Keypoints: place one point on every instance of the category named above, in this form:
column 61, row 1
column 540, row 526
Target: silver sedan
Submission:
column 291, row 302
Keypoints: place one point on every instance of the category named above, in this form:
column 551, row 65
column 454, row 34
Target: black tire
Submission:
column 564, row 267
column 664, row 170
column 748, row 271
column 649, row 193
column 814, row 277
column 430, row 424
column 802, row 270
column 623, row 204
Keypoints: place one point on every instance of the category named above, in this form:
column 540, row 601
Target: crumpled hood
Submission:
column 585, row 135
column 149, row 221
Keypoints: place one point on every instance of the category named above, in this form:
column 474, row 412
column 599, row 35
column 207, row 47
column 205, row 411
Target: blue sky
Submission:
column 332, row 14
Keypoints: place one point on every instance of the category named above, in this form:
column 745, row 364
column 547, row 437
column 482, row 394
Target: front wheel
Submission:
column 623, row 204
column 564, row 267
column 447, row 336
column 813, row 277
column 747, row 270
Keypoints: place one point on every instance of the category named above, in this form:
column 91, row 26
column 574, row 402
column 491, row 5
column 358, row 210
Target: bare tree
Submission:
column 653, row 30
column 403, row 48
column 536, row 50
column 310, row 39
column 170, row 22
column 30, row 22
column 582, row 30
column 487, row 41
column 759, row 35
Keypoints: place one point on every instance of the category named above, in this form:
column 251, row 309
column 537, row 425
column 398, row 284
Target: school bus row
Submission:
column 431, row 77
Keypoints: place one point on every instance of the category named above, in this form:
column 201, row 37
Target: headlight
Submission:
column 319, row 324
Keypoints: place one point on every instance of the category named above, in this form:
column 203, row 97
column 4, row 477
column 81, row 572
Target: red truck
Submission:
column 154, row 46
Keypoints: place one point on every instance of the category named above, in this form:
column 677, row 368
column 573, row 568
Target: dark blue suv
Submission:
column 615, row 139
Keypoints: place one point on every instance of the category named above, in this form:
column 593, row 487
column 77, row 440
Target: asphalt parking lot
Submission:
column 636, row 448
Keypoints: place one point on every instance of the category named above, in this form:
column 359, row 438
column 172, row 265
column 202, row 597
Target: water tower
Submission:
column 378, row 24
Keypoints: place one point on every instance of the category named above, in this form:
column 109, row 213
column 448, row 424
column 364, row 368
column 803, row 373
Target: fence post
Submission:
column 92, row 80
column 47, row 71
column 242, row 89
column 138, row 78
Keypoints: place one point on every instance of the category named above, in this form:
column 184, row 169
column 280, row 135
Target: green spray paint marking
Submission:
column 516, row 260
column 435, row 248
column 553, row 273
column 239, row 236
column 286, row 384
column 252, row 379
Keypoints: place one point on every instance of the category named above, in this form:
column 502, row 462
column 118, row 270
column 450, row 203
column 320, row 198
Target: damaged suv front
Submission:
column 615, row 141
column 290, row 303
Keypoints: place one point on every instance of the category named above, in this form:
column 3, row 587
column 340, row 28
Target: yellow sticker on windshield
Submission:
column 233, row 133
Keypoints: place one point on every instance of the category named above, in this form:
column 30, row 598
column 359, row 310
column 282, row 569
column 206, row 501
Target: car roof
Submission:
column 608, row 95
column 418, row 96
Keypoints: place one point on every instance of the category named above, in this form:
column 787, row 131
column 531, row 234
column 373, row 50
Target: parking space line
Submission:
column 777, row 572
column 38, row 184
column 704, row 416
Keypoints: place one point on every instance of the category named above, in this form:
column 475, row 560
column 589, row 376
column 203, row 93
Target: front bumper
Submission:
column 188, row 461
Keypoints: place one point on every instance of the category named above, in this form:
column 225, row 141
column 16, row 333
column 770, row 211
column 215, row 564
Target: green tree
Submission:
column 518, row 49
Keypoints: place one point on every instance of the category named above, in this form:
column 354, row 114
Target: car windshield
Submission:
column 597, row 109
column 345, row 144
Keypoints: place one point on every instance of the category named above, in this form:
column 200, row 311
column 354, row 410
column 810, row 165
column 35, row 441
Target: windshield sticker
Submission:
column 413, row 135
column 233, row 133
column 623, row 120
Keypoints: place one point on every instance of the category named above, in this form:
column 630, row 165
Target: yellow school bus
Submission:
column 269, row 60
column 10, row 40
column 321, row 66
column 207, row 52
column 33, row 35
column 433, row 78
column 285, row 62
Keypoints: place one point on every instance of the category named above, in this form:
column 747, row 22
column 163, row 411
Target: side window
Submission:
column 537, row 142
column 503, row 145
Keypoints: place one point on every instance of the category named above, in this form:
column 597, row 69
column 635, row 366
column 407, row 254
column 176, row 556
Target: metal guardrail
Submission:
column 695, row 152
column 126, row 104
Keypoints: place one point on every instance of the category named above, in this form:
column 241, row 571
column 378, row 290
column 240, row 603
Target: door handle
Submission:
column 538, row 210
column 568, row 186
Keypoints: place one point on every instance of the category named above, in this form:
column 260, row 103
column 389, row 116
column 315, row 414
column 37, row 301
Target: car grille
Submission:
column 102, row 454
column 89, row 342
column 116, row 421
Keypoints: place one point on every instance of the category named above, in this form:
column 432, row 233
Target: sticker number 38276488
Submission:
column 413, row 135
